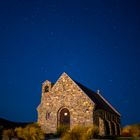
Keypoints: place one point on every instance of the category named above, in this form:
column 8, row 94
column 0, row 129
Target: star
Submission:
column 51, row 33
column 115, row 47
column 114, row 27
column 25, row 18
column 110, row 80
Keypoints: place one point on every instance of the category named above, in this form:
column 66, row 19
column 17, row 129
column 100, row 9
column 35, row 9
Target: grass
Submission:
column 127, row 138
column 81, row 133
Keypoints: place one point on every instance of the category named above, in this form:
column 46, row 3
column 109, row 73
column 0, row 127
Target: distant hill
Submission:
column 133, row 125
column 6, row 124
column 9, row 124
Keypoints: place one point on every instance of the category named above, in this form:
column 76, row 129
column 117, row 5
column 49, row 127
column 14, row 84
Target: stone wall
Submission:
column 64, row 94
column 106, row 120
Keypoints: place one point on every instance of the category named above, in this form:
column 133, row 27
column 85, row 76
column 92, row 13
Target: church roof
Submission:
column 98, row 99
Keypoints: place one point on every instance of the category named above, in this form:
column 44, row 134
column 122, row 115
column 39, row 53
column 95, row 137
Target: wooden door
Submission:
column 65, row 117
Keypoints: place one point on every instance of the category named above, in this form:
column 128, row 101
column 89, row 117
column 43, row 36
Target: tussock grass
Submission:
column 81, row 133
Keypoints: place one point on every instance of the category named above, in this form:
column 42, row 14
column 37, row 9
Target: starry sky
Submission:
column 96, row 42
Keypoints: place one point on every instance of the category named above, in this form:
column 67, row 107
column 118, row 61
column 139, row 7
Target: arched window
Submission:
column 48, row 115
column 46, row 89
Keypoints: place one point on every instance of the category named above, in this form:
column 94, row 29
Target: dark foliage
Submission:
column 6, row 124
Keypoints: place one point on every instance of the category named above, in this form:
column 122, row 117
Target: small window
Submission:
column 48, row 115
column 46, row 88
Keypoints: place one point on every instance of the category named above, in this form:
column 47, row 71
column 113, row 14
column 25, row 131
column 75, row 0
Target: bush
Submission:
column 30, row 132
column 81, row 133
column 135, row 131
column 131, row 131
column 91, row 132
column 61, row 130
column 126, row 131
column 8, row 134
column 76, row 132
column 19, row 132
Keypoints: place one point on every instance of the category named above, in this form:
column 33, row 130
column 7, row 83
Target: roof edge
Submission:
column 108, row 104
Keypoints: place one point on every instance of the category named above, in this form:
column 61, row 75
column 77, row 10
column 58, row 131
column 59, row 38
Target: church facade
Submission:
column 68, row 102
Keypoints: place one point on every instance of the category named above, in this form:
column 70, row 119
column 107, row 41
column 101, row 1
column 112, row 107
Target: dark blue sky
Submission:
column 97, row 42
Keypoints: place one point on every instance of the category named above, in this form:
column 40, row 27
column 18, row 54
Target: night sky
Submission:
column 96, row 42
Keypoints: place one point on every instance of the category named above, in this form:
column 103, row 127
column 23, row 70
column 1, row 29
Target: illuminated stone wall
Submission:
column 65, row 93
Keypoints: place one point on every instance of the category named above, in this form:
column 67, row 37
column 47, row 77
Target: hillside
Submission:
column 9, row 124
column 6, row 124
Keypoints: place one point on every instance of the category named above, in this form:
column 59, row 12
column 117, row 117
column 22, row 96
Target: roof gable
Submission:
column 62, row 84
column 61, row 79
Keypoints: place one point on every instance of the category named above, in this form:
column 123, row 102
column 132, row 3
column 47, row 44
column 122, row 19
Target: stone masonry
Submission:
column 66, row 95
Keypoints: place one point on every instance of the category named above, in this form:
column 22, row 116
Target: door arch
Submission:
column 64, row 117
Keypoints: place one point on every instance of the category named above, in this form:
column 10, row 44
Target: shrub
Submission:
column 91, row 132
column 30, row 132
column 81, row 133
column 126, row 131
column 19, row 132
column 61, row 130
column 133, row 130
column 136, row 131
column 8, row 134
column 76, row 132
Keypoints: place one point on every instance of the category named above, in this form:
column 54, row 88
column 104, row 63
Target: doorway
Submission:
column 64, row 117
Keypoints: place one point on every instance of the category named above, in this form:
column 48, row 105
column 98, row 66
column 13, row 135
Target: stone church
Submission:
column 68, row 102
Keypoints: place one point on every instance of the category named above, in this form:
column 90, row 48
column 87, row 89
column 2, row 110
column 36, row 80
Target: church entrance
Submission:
column 64, row 117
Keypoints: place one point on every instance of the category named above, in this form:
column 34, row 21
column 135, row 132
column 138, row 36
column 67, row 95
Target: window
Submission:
column 48, row 115
column 46, row 89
